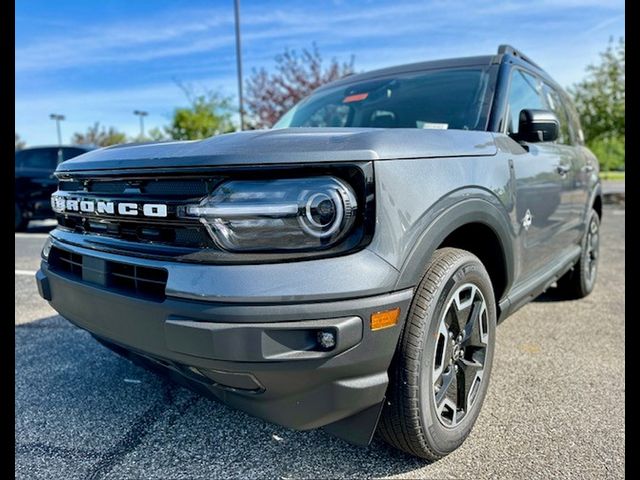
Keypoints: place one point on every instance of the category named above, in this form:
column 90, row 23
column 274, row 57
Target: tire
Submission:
column 579, row 281
column 410, row 420
column 21, row 222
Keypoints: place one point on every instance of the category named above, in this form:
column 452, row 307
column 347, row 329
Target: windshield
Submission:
column 441, row 99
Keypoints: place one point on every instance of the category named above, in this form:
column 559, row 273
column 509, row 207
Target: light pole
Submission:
column 236, row 4
column 58, row 118
column 141, row 114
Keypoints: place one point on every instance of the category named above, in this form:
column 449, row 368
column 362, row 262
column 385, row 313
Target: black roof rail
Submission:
column 516, row 53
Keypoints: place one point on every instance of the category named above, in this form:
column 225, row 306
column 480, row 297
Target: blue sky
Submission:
column 98, row 61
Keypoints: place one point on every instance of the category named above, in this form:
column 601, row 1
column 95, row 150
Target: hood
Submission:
column 289, row 145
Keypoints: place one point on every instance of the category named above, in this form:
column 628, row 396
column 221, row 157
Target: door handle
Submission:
column 562, row 169
column 588, row 168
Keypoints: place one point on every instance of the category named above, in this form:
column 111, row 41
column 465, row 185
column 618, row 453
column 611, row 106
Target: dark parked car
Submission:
column 346, row 270
column 35, row 182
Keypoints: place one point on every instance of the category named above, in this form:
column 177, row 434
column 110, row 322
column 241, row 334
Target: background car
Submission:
column 34, row 180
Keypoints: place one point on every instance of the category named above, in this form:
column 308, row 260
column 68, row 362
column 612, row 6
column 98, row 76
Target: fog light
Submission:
column 327, row 340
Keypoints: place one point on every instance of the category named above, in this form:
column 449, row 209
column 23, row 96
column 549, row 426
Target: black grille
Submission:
column 136, row 280
column 177, row 187
column 191, row 235
column 70, row 186
column 107, row 187
column 190, row 187
column 171, row 231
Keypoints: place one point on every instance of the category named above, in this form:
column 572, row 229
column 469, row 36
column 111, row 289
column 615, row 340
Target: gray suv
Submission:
column 346, row 269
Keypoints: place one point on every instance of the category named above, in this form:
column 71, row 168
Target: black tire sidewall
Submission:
column 445, row 439
column 586, row 283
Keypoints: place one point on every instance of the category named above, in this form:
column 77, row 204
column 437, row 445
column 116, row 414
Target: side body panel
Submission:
column 544, row 201
column 421, row 201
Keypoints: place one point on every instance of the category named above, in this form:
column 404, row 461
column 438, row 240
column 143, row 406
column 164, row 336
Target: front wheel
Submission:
column 440, row 373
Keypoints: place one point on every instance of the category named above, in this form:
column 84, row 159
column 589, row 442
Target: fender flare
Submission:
column 440, row 222
column 596, row 192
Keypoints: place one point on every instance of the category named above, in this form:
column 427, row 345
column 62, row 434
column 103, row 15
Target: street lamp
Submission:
column 58, row 118
column 236, row 5
column 141, row 114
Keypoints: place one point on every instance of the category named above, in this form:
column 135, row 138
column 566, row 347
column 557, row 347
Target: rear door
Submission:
column 542, row 208
column 573, row 190
column 586, row 175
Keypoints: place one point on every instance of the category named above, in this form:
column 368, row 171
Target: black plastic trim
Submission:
column 536, row 284
column 297, row 392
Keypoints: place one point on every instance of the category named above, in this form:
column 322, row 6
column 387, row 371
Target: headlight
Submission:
column 299, row 214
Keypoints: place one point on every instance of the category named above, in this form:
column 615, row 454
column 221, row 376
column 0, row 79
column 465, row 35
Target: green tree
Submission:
column 156, row 135
column 99, row 136
column 600, row 101
column 271, row 95
column 208, row 114
column 20, row 144
column 610, row 151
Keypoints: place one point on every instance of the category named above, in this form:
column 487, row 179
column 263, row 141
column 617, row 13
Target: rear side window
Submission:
column 40, row 158
column 525, row 92
column 574, row 123
column 557, row 106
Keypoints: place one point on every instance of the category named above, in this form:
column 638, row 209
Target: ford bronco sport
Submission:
column 347, row 268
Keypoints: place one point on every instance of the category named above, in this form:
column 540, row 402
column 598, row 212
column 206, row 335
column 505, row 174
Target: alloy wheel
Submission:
column 460, row 353
column 593, row 243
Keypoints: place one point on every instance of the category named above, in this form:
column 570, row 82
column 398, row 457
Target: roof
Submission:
column 482, row 60
column 505, row 53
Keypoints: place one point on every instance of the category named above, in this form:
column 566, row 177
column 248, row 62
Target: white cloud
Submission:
column 198, row 45
column 604, row 24
column 194, row 31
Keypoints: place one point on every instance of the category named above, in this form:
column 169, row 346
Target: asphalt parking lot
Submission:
column 555, row 407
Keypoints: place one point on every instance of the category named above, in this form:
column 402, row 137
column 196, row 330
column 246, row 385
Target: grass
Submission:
column 612, row 175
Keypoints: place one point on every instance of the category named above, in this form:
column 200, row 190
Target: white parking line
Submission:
column 25, row 272
column 32, row 235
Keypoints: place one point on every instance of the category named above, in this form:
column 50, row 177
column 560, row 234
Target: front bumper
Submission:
column 260, row 358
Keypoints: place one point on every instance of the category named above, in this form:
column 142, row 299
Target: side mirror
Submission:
column 537, row 126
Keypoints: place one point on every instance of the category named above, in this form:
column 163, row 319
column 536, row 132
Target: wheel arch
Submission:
column 595, row 202
column 476, row 225
column 597, row 205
